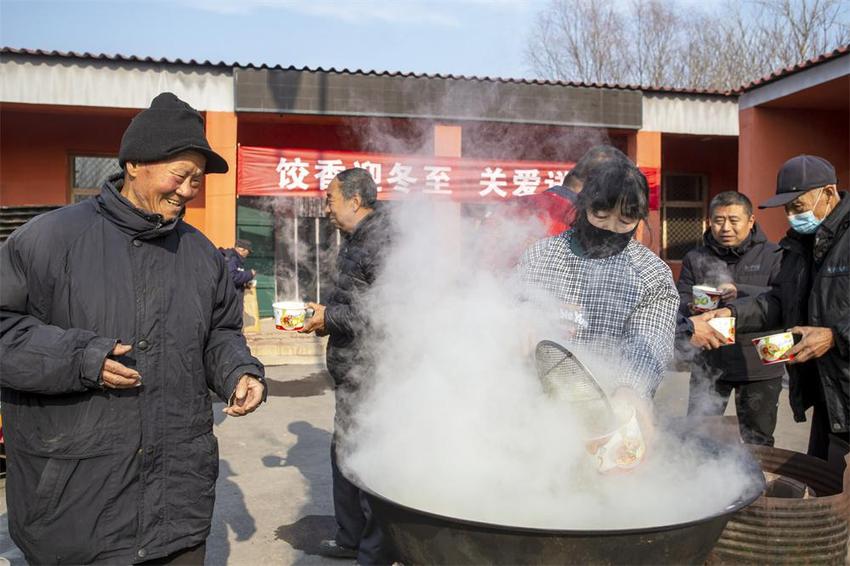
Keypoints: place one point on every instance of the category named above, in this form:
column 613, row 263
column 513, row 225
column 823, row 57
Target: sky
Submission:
column 465, row 37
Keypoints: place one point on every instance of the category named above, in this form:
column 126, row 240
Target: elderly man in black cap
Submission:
column 811, row 299
column 116, row 320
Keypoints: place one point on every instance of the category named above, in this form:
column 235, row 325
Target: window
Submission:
column 683, row 213
column 88, row 173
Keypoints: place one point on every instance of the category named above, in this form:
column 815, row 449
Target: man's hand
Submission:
column 730, row 292
column 717, row 313
column 247, row 396
column 705, row 336
column 253, row 273
column 816, row 342
column 315, row 323
column 116, row 375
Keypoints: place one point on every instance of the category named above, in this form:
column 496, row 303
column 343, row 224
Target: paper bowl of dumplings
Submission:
column 725, row 326
column 706, row 298
column 774, row 349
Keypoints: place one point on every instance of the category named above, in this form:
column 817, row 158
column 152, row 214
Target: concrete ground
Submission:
column 274, row 488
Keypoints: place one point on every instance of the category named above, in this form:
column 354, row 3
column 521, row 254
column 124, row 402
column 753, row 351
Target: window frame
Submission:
column 87, row 191
column 701, row 204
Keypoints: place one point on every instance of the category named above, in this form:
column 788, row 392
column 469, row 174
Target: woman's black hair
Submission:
column 616, row 185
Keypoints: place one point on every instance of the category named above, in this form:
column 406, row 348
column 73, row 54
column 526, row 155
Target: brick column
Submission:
column 447, row 143
column 645, row 149
column 220, row 211
column 448, row 140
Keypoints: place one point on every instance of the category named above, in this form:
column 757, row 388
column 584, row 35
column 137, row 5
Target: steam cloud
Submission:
column 454, row 420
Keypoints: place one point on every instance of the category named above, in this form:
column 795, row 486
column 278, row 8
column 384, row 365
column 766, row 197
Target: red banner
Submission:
column 265, row 171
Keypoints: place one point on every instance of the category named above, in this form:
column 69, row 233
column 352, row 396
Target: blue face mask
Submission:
column 806, row 222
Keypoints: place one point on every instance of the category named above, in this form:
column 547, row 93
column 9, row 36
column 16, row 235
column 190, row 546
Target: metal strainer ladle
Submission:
column 564, row 377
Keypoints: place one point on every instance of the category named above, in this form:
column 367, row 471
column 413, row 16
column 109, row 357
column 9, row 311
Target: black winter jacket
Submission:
column 99, row 474
column 359, row 262
column 753, row 267
column 236, row 268
column 813, row 289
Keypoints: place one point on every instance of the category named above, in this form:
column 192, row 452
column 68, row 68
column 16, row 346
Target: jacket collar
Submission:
column 129, row 219
column 831, row 228
column 372, row 218
column 839, row 216
column 756, row 236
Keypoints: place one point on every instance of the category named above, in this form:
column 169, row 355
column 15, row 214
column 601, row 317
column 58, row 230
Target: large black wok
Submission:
column 422, row 537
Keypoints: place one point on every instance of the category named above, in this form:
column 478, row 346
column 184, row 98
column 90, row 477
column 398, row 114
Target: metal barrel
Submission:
column 779, row 530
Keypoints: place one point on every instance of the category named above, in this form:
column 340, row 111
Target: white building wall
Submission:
column 34, row 80
column 690, row 114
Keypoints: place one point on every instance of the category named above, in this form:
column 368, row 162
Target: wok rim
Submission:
column 741, row 502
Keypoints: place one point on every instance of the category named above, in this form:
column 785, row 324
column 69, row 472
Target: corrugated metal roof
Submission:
column 807, row 64
column 108, row 57
column 224, row 65
column 774, row 76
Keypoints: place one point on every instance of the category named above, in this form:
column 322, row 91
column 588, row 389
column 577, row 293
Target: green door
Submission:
column 255, row 222
column 294, row 248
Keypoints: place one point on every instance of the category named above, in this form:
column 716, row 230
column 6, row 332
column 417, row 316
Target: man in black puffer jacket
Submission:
column 353, row 208
column 116, row 320
column 235, row 259
column 736, row 257
column 812, row 298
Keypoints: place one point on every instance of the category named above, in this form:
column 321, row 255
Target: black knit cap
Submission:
column 168, row 127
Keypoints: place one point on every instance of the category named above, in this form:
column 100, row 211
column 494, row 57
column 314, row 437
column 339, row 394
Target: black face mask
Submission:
column 598, row 243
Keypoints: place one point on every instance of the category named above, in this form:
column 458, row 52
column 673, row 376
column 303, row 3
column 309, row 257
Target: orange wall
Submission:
column 220, row 199
column 36, row 143
column 771, row 136
column 35, row 148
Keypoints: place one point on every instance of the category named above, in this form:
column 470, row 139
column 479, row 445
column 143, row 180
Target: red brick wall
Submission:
column 771, row 136
column 35, row 147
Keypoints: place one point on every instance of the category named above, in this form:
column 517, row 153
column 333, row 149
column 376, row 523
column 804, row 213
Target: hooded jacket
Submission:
column 97, row 474
column 753, row 267
column 813, row 289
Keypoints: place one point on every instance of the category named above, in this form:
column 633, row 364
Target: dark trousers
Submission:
column 821, row 435
column 356, row 526
column 193, row 556
column 756, row 404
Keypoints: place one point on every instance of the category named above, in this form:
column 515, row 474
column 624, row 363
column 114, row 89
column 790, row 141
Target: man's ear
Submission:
column 832, row 190
column 357, row 201
column 132, row 168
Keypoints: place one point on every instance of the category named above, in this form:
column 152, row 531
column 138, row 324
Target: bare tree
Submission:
column 666, row 43
column 657, row 26
column 579, row 39
column 805, row 28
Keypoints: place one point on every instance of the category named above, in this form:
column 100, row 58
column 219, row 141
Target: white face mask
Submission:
column 806, row 222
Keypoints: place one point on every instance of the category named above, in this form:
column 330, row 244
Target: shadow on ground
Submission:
column 314, row 384
column 310, row 455
column 306, row 533
column 230, row 511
